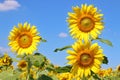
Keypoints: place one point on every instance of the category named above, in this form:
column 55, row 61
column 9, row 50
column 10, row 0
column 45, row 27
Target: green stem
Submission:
column 84, row 78
column 28, row 69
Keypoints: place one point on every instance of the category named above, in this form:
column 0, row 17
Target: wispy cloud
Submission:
column 3, row 50
column 9, row 5
column 63, row 35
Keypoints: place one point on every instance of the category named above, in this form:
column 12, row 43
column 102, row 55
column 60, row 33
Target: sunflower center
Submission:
column 119, row 68
column 25, row 41
column 86, row 24
column 23, row 65
column 85, row 59
column 64, row 78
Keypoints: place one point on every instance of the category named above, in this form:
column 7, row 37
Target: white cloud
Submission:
column 9, row 5
column 63, row 35
column 3, row 50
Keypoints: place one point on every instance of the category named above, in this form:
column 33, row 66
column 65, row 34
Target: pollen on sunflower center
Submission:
column 85, row 59
column 23, row 65
column 25, row 41
column 86, row 24
column 118, row 69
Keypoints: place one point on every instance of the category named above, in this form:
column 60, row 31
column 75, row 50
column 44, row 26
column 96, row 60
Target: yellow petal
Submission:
column 72, row 21
column 99, row 27
column 25, row 25
column 96, row 65
column 70, row 57
column 94, row 69
column 89, row 8
column 99, row 55
column 76, row 9
column 100, row 51
column 33, row 30
column 72, row 61
column 82, row 72
column 72, row 15
column 73, row 25
column 87, row 71
column 97, row 61
column 74, row 69
column 71, row 52
column 93, row 34
column 28, row 27
column 94, row 47
column 86, row 37
column 84, row 8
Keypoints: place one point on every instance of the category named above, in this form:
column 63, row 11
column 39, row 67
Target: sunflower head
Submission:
column 85, row 23
column 85, row 58
column 33, row 73
column 22, row 65
column 65, row 76
column 102, row 73
column 118, row 68
column 109, row 70
column 24, row 39
column 6, row 60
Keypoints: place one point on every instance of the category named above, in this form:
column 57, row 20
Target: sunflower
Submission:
column 118, row 68
column 6, row 60
column 85, row 23
column 84, row 58
column 22, row 65
column 65, row 76
column 33, row 74
column 109, row 71
column 24, row 39
column 102, row 73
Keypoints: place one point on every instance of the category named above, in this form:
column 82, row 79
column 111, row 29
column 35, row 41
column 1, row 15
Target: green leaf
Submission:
column 50, row 67
column 37, row 54
column 63, row 48
column 95, row 76
column 105, row 41
column 63, row 69
column 44, row 77
column 105, row 61
column 37, row 60
column 11, row 75
column 36, row 63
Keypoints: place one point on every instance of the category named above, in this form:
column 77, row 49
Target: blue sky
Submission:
column 50, row 18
